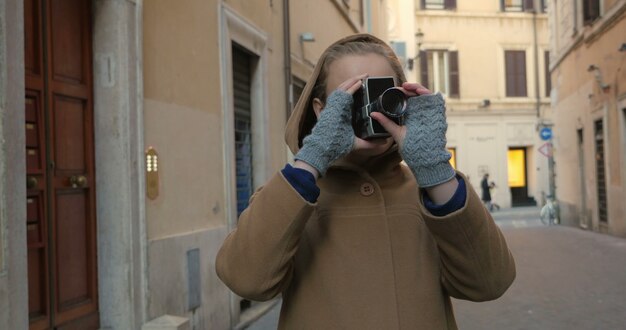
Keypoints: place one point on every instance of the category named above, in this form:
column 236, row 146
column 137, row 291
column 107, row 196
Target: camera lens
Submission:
column 392, row 102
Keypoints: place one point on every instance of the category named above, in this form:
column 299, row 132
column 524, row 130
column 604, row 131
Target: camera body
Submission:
column 377, row 94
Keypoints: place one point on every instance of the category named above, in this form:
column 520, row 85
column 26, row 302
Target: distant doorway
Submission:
column 583, row 219
column 601, row 172
column 518, row 173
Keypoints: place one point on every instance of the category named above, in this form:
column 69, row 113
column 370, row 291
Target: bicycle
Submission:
column 549, row 212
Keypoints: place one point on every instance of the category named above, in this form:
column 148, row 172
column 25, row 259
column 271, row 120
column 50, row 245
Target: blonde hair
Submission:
column 354, row 48
column 334, row 53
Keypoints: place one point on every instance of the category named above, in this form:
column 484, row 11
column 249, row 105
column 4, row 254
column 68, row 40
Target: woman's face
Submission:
column 346, row 67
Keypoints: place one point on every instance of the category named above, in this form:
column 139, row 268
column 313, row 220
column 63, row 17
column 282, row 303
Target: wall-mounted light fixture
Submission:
column 419, row 38
column 596, row 72
column 302, row 38
column 307, row 37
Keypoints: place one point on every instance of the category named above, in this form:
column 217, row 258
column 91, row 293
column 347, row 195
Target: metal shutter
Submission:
column 242, row 76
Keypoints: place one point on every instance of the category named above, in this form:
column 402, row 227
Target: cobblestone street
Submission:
column 567, row 278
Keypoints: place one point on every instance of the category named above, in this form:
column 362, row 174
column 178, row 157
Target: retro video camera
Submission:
column 377, row 94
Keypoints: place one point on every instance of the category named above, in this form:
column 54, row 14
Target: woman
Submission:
column 351, row 236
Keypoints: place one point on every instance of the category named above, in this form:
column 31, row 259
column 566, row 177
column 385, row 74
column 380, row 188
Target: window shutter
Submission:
column 453, row 63
column 449, row 4
column 515, row 71
column 242, row 76
column 591, row 10
column 509, row 72
column 423, row 3
column 501, row 5
column 529, row 5
column 424, row 69
column 521, row 73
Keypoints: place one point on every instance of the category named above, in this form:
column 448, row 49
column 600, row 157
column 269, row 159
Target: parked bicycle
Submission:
column 549, row 212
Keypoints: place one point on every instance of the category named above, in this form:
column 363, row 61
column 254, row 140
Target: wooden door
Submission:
column 61, row 221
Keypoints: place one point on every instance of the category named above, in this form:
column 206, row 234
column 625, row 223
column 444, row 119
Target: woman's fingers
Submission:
column 396, row 131
column 352, row 85
column 416, row 88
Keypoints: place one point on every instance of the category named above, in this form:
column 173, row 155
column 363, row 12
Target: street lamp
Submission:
column 598, row 75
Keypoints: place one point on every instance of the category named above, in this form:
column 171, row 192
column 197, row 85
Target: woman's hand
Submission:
column 399, row 131
column 422, row 138
column 332, row 136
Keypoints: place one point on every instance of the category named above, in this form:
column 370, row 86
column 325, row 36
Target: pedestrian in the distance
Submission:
column 351, row 236
column 486, row 193
column 493, row 206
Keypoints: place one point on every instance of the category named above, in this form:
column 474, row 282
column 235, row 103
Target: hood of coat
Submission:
column 303, row 117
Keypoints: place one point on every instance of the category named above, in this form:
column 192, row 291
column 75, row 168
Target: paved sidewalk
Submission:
column 567, row 278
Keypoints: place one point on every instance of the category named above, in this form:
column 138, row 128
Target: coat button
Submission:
column 367, row 189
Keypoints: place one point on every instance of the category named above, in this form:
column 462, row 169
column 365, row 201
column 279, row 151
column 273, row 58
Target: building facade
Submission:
column 131, row 135
column 588, row 55
column 488, row 58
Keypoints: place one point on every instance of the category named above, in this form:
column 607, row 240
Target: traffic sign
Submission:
column 545, row 133
column 546, row 149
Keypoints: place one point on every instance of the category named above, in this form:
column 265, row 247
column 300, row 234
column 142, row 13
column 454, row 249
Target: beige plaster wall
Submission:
column 481, row 33
column 182, row 115
column 578, row 102
column 332, row 27
column 481, row 40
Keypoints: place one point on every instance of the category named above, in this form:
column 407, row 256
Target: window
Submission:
column 440, row 71
column 546, row 61
column 452, row 152
column 297, row 86
column 399, row 48
column 242, row 76
column 439, row 4
column 591, row 10
column 544, row 6
column 517, row 5
column 515, row 70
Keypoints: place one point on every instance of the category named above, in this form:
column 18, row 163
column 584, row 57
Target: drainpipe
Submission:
column 368, row 16
column 287, row 58
column 536, row 45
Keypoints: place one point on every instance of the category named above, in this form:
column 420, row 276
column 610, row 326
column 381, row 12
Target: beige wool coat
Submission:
column 367, row 254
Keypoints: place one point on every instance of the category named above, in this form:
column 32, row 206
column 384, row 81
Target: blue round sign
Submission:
column 545, row 133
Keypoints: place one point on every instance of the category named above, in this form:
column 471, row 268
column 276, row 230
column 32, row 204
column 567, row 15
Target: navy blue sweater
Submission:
column 304, row 183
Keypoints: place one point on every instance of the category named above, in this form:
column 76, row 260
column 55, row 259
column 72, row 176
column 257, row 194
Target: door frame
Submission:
column 13, row 251
column 234, row 28
column 118, row 115
column 121, row 197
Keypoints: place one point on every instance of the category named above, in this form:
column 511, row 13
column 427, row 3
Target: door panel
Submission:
column 71, row 236
column 32, row 38
column 60, row 158
column 68, row 23
column 36, row 220
column 69, row 135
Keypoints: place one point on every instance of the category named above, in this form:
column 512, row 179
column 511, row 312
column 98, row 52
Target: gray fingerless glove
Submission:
column 332, row 136
column 424, row 145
